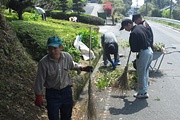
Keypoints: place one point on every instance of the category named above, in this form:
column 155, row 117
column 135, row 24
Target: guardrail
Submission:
column 165, row 19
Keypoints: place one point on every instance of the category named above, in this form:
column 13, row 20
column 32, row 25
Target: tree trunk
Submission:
column 20, row 15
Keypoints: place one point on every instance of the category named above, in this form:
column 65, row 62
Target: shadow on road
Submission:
column 130, row 107
column 157, row 74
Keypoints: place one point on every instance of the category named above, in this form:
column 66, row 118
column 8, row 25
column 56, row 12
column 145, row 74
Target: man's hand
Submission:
column 38, row 101
column 87, row 69
column 115, row 63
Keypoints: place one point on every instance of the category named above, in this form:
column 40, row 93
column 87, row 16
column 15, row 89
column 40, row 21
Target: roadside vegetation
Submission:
column 106, row 77
column 155, row 9
column 166, row 23
column 23, row 44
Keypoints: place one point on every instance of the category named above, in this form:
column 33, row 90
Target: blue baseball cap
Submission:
column 54, row 41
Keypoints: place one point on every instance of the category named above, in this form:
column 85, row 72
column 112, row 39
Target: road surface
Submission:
column 164, row 94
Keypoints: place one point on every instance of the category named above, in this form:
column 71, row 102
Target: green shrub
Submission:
column 176, row 14
column 86, row 36
column 84, row 18
column 76, row 54
column 31, row 16
column 156, row 13
column 10, row 17
column 158, row 47
column 75, row 25
column 165, row 13
column 34, row 34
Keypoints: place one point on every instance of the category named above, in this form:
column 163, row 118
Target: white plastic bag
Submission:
column 83, row 48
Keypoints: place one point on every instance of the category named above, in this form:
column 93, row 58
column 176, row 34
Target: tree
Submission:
column 142, row 9
column 63, row 5
column 19, row 6
column 78, row 6
column 160, row 3
column 70, row 3
column 156, row 13
column 48, row 4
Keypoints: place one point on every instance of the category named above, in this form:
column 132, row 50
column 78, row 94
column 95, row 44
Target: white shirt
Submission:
column 40, row 10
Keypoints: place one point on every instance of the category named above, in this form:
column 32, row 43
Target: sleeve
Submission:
column 133, row 41
column 106, row 52
column 102, row 40
column 40, row 79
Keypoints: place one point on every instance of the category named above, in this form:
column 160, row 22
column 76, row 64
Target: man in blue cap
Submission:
column 53, row 75
column 139, row 43
column 110, row 46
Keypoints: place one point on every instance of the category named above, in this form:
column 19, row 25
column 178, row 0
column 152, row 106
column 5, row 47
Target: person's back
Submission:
column 149, row 32
column 109, row 37
column 110, row 46
column 40, row 10
column 138, row 20
column 142, row 41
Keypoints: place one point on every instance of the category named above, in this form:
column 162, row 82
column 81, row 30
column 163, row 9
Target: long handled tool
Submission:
column 122, row 81
column 91, row 108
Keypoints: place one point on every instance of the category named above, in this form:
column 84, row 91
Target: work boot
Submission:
column 139, row 96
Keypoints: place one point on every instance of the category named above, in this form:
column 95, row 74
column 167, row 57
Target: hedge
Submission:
column 84, row 18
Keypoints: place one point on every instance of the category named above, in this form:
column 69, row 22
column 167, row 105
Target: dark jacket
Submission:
column 107, row 39
column 139, row 38
column 149, row 32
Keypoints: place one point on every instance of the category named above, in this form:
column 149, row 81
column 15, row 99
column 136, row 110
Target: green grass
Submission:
column 34, row 32
column 167, row 23
column 18, row 69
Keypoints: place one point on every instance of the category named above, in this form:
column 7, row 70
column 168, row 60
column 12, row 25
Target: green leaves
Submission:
column 158, row 47
column 86, row 37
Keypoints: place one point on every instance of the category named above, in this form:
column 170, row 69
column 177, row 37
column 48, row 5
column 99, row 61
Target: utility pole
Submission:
column 170, row 10
column 146, row 7
column 137, row 3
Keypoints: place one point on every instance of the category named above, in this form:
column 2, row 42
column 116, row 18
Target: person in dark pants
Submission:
column 53, row 74
column 138, row 20
column 139, row 43
column 110, row 46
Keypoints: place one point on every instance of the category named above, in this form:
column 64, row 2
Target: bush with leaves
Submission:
column 86, row 36
column 176, row 14
column 156, row 13
column 165, row 13
column 76, row 54
column 83, row 18
column 158, row 47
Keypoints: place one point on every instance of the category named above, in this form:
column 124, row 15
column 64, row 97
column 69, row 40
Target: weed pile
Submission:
column 17, row 73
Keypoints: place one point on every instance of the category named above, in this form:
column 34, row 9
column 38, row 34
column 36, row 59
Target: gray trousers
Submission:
column 143, row 63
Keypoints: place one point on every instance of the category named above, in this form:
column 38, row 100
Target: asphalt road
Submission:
column 163, row 103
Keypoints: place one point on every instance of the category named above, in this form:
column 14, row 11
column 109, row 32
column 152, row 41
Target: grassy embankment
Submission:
column 20, row 51
column 166, row 23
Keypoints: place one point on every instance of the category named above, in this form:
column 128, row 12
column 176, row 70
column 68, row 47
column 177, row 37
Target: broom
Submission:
column 122, row 81
column 91, row 108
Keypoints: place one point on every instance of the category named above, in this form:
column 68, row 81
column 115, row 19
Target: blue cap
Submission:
column 54, row 41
